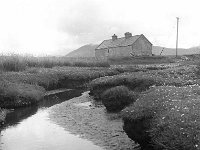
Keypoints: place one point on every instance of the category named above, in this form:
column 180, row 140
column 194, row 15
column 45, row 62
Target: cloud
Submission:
column 51, row 26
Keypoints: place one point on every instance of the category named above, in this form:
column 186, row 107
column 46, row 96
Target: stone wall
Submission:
column 142, row 47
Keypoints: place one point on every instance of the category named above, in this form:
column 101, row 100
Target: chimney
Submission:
column 114, row 37
column 128, row 35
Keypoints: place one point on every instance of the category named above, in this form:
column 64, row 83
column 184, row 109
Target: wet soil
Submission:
column 82, row 116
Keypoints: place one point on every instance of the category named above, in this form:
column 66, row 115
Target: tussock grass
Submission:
column 20, row 63
column 51, row 77
column 19, row 94
column 139, row 81
column 23, row 88
column 165, row 118
column 116, row 98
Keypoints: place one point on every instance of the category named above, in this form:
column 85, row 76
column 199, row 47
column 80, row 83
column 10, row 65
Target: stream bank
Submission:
column 89, row 119
column 30, row 128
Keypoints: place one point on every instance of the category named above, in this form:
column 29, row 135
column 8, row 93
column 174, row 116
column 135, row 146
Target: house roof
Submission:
column 118, row 42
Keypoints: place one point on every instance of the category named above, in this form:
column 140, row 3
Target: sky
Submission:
column 56, row 27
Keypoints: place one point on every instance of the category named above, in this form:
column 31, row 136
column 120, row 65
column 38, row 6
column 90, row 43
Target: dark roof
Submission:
column 118, row 42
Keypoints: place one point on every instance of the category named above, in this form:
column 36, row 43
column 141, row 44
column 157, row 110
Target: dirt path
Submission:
column 82, row 116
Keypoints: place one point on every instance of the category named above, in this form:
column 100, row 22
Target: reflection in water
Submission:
column 29, row 128
column 39, row 133
column 18, row 115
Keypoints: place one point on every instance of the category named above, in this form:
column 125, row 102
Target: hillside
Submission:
column 172, row 51
column 89, row 51
column 84, row 51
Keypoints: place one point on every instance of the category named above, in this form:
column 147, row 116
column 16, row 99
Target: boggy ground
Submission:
column 165, row 114
column 24, row 88
column 84, row 117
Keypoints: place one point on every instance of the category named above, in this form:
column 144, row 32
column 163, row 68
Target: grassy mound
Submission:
column 165, row 118
column 14, row 95
column 58, row 77
column 132, row 81
column 138, row 82
column 142, row 80
column 116, row 98
column 27, row 87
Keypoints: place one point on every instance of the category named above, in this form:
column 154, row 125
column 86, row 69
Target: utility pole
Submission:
column 177, row 37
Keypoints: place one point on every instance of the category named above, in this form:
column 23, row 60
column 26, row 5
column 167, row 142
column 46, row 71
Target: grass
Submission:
column 108, row 89
column 19, row 94
column 20, row 63
column 48, row 77
column 165, row 118
column 116, row 98
column 141, row 60
column 138, row 81
column 18, row 87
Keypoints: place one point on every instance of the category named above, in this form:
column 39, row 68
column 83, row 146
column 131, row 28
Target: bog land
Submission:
column 156, row 98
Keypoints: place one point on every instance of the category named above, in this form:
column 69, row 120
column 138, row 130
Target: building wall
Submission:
column 142, row 47
column 120, row 51
column 101, row 53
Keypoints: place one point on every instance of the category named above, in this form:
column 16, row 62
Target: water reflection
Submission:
column 18, row 115
column 29, row 128
column 39, row 133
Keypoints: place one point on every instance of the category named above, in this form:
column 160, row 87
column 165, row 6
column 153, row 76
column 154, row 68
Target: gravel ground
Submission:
column 83, row 116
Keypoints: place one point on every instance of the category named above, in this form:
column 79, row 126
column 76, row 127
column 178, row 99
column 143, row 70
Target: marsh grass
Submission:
column 20, row 63
column 18, row 94
column 138, row 82
column 142, row 80
column 23, row 88
column 116, row 98
column 165, row 118
column 47, row 77
column 141, row 60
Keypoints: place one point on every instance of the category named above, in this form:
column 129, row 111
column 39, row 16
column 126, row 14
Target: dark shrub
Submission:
column 116, row 98
column 165, row 118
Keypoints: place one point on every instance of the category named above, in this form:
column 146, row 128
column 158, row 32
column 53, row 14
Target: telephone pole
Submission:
column 177, row 37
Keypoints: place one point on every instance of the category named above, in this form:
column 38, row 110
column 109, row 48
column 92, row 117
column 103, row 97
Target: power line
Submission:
column 177, row 37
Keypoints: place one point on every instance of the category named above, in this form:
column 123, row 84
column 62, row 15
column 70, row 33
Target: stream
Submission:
column 30, row 128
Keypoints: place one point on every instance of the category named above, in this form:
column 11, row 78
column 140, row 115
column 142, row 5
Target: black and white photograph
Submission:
column 99, row 75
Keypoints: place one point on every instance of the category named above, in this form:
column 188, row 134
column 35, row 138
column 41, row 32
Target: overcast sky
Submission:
column 55, row 27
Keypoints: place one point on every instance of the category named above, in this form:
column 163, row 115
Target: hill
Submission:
column 172, row 51
column 83, row 51
column 89, row 51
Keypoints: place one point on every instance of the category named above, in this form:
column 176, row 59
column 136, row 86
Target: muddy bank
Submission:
column 84, row 117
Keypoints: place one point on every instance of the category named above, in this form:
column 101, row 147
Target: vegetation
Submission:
column 165, row 118
column 24, row 88
column 19, row 94
column 141, row 81
column 20, row 63
column 116, row 98
column 141, row 60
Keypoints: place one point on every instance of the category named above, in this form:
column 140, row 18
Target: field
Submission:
column 157, row 97
column 166, row 112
